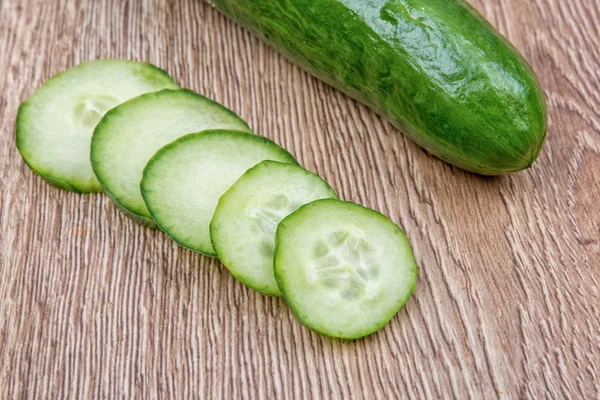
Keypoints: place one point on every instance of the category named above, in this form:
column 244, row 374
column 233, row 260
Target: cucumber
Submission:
column 129, row 135
column 243, row 227
column 435, row 68
column 184, row 180
column 55, row 124
column 344, row 270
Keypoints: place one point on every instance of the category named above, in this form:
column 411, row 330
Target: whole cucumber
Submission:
column 435, row 68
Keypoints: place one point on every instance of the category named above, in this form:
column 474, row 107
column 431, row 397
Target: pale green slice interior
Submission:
column 130, row 134
column 345, row 270
column 183, row 182
column 55, row 124
column 243, row 226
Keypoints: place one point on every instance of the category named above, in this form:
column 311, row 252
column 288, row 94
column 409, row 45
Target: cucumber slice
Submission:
column 243, row 226
column 55, row 124
column 345, row 270
column 129, row 135
column 184, row 180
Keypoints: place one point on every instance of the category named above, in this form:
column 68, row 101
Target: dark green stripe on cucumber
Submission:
column 435, row 68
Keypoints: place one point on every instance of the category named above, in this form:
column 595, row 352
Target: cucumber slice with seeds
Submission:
column 345, row 270
column 184, row 180
column 55, row 124
column 129, row 135
column 243, row 226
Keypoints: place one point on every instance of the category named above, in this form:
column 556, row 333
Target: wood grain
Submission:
column 508, row 300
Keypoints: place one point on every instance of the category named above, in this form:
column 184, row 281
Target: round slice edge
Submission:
column 55, row 124
column 130, row 134
column 183, row 182
column 243, row 227
column 345, row 270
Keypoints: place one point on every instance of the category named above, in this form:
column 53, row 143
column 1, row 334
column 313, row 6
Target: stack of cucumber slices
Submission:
column 173, row 159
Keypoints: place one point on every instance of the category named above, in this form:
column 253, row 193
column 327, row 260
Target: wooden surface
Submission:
column 507, row 304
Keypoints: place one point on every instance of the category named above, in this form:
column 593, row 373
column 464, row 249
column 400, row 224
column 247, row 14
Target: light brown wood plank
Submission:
column 508, row 300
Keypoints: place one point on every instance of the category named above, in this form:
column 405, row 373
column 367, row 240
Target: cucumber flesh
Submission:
column 345, row 270
column 129, row 135
column 55, row 124
column 243, row 226
column 184, row 180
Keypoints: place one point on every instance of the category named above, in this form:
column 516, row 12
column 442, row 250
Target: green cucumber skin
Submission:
column 138, row 219
column 151, row 73
column 281, row 282
column 119, row 204
column 435, row 68
column 156, row 218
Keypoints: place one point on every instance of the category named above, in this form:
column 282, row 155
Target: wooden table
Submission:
column 507, row 304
